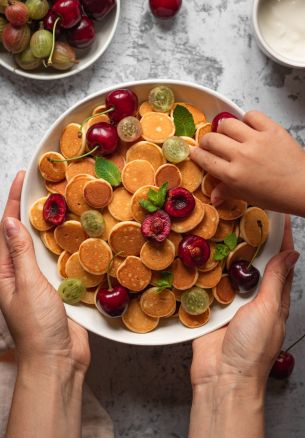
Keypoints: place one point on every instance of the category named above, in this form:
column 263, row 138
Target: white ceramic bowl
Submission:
column 169, row 331
column 105, row 31
column 264, row 46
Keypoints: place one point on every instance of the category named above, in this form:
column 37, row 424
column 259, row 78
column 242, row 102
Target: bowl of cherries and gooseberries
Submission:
column 46, row 39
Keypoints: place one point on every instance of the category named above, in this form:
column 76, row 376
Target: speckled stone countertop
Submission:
column 147, row 390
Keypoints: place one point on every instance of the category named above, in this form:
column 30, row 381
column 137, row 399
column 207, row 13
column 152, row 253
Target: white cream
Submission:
column 282, row 25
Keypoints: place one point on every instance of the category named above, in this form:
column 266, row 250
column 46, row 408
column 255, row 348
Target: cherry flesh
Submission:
column 103, row 135
column 179, row 202
column 124, row 102
column 113, row 302
column 219, row 117
column 98, row 9
column 165, row 9
column 83, row 34
column 193, row 251
column 156, row 226
column 55, row 209
column 283, row 366
column 243, row 275
column 69, row 11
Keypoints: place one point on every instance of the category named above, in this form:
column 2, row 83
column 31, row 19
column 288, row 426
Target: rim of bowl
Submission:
column 273, row 54
column 72, row 72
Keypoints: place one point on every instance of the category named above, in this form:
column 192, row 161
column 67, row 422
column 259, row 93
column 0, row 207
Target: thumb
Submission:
column 276, row 275
column 21, row 250
column 221, row 193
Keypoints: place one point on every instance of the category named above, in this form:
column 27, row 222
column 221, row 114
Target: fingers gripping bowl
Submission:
column 169, row 330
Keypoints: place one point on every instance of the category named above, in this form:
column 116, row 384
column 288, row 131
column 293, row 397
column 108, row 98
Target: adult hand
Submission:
column 256, row 160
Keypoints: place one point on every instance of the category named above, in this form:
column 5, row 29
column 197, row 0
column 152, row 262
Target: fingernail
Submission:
column 11, row 227
column 291, row 259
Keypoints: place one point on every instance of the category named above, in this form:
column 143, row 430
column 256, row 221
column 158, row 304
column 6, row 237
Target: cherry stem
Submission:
column 260, row 225
column 53, row 160
column 53, row 43
column 109, row 269
column 295, row 343
column 92, row 117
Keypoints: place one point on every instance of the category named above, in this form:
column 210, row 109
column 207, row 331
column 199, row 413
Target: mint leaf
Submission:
column 148, row 205
column 231, row 241
column 184, row 121
column 108, row 170
column 166, row 281
column 221, row 251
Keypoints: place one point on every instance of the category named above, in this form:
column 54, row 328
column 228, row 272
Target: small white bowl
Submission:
column 105, row 31
column 170, row 331
column 264, row 46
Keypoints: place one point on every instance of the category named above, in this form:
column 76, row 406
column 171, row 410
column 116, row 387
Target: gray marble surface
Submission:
column 147, row 390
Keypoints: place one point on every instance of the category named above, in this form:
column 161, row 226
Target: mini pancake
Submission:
column 118, row 159
column 178, row 293
column 88, row 298
column 211, row 263
column 208, row 226
column 189, row 140
column 184, row 277
column 174, row 311
column 158, row 304
column 49, row 241
column 254, row 226
column 72, row 217
column 191, row 221
column 243, row 251
column 203, row 198
column 53, row 172
column 176, row 239
column 56, row 187
column 98, row 193
column 224, row 292
column 72, row 141
column 61, row 263
column 70, row 235
column 117, row 261
column 136, row 174
column 133, row 274
column 224, row 228
column 198, row 115
column 75, row 270
column 209, row 279
column 208, row 184
column 144, row 150
column 36, row 215
column 126, row 237
column 144, row 108
column 157, row 127
column 136, row 320
column 202, row 129
column 232, row 209
column 193, row 321
column 75, row 194
column 191, row 175
column 211, row 296
column 137, row 211
column 158, row 257
column 95, row 256
column 85, row 166
column 120, row 204
column 168, row 173
column 99, row 109
column 98, row 118
column 110, row 222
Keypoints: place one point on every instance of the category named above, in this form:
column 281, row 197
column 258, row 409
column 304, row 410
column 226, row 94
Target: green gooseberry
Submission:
column 41, row 43
column 93, row 223
column 195, row 301
column 161, row 98
column 175, row 149
column 27, row 61
column 37, row 8
column 71, row 290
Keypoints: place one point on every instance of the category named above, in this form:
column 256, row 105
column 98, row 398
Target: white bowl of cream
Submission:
column 279, row 26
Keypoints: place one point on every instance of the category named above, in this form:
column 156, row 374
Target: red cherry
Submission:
column 69, row 11
column 179, row 202
column 165, row 8
column 83, row 34
column 244, row 276
column 193, row 251
column 124, row 102
column 55, row 209
column 219, row 117
column 283, row 366
column 49, row 20
column 156, row 226
column 103, row 135
column 113, row 302
column 98, row 9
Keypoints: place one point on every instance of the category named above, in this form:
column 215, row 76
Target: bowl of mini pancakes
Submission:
column 154, row 315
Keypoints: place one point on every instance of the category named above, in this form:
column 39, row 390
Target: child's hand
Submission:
column 257, row 161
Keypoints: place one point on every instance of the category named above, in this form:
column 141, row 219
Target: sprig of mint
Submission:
column 223, row 249
column 184, row 121
column 155, row 199
column 166, row 281
column 107, row 170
